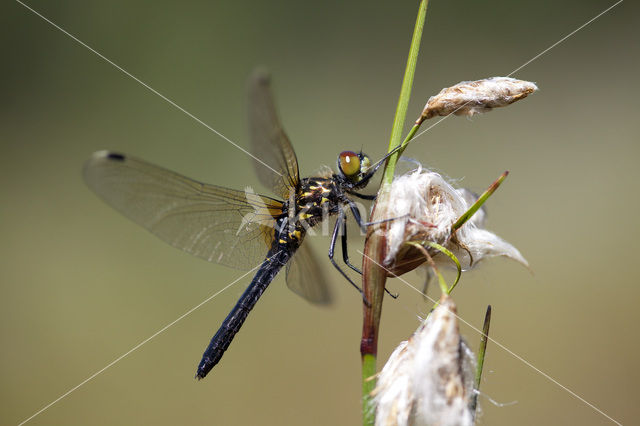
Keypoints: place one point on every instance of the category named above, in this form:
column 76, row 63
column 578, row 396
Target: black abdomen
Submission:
column 277, row 257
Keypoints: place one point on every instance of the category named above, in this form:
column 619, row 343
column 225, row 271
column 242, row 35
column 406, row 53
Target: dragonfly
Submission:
column 236, row 228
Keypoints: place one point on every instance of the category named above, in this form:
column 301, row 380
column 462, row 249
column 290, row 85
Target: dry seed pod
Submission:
column 474, row 97
column 428, row 380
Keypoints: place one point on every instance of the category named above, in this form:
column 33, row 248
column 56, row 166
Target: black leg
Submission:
column 345, row 253
column 332, row 247
column 391, row 219
column 376, row 166
column 364, row 196
column 363, row 226
column 356, row 215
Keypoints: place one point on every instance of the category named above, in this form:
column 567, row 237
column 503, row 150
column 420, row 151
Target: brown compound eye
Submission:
column 349, row 163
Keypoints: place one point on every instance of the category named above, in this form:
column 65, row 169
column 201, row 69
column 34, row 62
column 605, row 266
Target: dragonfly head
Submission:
column 353, row 166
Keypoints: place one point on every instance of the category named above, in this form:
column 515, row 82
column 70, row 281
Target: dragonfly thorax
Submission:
column 316, row 198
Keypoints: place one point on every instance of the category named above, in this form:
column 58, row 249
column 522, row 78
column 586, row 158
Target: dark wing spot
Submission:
column 115, row 156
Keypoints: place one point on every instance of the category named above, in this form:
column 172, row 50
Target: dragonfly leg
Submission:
column 391, row 219
column 363, row 225
column 334, row 237
column 372, row 171
column 364, row 196
column 345, row 253
column 356, row 215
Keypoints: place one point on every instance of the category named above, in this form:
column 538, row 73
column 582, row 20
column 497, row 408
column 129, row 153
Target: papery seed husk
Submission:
column 424, row 207
column 428, row 380
column 474, row 97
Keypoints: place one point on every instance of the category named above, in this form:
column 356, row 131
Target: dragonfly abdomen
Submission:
column 277, row 257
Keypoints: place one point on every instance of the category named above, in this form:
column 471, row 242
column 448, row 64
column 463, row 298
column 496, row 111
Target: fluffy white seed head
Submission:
column 424, row 207
column 474, row 97
column 428, row 380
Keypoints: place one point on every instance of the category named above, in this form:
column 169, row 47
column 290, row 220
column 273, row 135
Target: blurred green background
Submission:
column 81, row 285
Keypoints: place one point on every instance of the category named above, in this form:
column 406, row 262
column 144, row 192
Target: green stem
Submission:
column 441, row 280
column 405, row 95
column 368, row 384
column 481, row 352
column 479, row 202
column 369, row 358
column 410, row 136
column 453, row 258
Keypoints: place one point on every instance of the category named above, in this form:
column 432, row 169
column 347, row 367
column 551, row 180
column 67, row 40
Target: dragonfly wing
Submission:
column 305, row 277
column 221, row 225
column 278, row 165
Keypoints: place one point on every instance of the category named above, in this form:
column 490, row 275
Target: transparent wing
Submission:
column 221, row 225
column 305, row 277
column 269, row 142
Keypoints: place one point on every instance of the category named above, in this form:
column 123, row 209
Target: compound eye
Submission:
column 349, row 163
